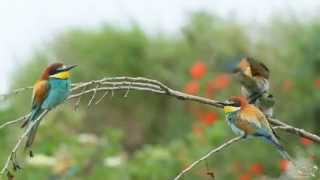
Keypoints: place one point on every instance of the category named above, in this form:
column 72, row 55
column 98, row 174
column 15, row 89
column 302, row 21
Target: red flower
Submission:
column 209, row 118
column 317, row 83
column 306, row 141
column 220, row 82
column 256, row 169
column 284, row 164
column 245, row 177
column 198, row 70
column 192, row 87
column 287, row 85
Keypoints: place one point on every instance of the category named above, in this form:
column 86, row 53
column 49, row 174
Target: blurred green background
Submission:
column 146, row 136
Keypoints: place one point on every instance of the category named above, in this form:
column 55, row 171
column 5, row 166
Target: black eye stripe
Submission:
column 55, row 71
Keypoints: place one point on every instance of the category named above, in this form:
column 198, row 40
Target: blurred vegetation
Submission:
column 153, row 137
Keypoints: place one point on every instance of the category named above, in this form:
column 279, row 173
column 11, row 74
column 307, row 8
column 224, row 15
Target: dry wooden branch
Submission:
column 147, row 85
column 12, row 157
column 215, row 150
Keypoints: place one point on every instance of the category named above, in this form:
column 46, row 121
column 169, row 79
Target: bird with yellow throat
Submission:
column 248, row 121
column 50, row 90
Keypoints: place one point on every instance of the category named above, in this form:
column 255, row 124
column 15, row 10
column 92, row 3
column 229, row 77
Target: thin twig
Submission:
column 93, row 95
column 219, row 148
column 12, row 156
column 102, row 97
column 76, row 106
column 127, row 92
column 15, row 92
column 14, row 121
column 299, row 132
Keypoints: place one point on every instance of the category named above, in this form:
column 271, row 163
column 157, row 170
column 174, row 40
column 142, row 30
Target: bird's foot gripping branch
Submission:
column 127, row 84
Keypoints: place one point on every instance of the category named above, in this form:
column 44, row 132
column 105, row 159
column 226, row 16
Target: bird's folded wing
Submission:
column 40, row 92
column 255, row 118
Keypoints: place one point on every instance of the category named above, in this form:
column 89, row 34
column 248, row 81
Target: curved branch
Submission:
column 140, row 84
column 12, row 157
column 219, row 148
column 154, row 86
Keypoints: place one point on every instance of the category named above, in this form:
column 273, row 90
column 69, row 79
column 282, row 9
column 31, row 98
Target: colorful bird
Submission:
column 254, row 78
column 50, row 90
column 248, row 121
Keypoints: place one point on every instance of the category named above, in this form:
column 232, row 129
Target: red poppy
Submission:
column 306, row 141
column 192, row 87
column 220, row 82
column 317, row 83
column 256, row 168
column 246, row 176
column 198, row 70
column 284, row 164
column 287, row 85
column 209, row 118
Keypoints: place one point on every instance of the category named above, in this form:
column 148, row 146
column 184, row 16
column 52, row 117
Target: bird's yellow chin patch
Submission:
column 61, row 75
column 228, row 109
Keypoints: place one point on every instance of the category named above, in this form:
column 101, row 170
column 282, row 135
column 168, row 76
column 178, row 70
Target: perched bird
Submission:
column 248, row 121
column 254, row 78
column 51, row 89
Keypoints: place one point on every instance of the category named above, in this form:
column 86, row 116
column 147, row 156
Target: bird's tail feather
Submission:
column 33, row 115
column 32, row 134
column 274, row 141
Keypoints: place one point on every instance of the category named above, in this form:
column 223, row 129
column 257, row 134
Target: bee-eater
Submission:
column 51, row 89
column 248, row 121
column 254, row 78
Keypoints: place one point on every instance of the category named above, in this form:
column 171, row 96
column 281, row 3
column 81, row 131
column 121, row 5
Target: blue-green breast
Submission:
column 231, row 118
column 59, row 90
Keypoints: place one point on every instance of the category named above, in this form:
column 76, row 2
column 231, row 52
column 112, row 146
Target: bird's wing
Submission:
column 254, row 120
column 258, row 68
column 40, row 92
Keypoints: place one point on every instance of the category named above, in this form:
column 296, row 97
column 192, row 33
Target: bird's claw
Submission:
column 15, row 163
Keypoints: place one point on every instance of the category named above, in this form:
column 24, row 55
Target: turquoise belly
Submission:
column 58, row 92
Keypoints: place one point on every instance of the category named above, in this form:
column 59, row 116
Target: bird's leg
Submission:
column 244, row 136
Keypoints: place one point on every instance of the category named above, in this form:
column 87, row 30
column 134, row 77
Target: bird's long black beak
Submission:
column 67, row 68
column 228, row 103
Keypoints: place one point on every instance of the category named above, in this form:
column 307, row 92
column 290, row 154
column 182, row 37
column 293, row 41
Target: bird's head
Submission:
column 235, row 103
column 244, row 67
column 57, row 70
column 252, row 68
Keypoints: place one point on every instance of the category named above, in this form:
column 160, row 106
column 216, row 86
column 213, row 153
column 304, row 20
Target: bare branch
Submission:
column 14, row 121
column 93, row 95
column 299, row 132
column 215, row 150
column 154, row 86
column 14, row 92
column 139, row 84
column 101, row 98
column 12, row 156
